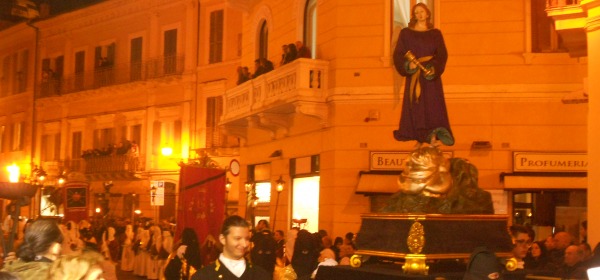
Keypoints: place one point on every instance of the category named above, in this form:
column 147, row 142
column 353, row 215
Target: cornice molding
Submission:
column 103, row 12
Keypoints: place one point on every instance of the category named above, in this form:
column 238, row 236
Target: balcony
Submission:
column 268, row 101
column 111, row 167
column 570, row 19
column 109, row 75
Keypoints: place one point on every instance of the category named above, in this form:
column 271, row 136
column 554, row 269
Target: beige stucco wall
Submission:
column 496, row 90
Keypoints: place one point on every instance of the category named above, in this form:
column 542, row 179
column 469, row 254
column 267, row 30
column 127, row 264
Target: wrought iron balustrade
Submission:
column 111, row 75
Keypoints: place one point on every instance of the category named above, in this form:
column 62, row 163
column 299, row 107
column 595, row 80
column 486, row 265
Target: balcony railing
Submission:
column 111, row 75
column 302, row 80
column 561, row 3
column 106, row 164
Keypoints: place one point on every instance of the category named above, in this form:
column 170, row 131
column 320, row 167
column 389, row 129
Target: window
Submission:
column 52, row 72
column 544, row 37
column 79, row 69
column 136, row 59
column 263, row 42
column 167, row 134
column 50, row 147
column 21, row 74
column 5, row 76
column 402, row 9
column 263, row 192
column 76, row 149
column 216, row 37
column 305, row 202
column 214, row 110
column 170, row 51
column 136, row 135
column 105, row 60
column 550, row 210
column 18, row 131
column 310, row 26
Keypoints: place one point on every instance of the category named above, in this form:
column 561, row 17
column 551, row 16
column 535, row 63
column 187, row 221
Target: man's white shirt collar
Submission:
column 237, row 267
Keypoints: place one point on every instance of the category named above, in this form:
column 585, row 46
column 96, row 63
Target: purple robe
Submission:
column 425, row 115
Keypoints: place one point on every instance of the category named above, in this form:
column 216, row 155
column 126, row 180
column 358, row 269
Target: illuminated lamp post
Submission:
column 280, row 183
column 13, row 173
column 166, row 151
column 19, row 193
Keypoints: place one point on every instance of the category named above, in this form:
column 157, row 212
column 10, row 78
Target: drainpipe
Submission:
column 33, row 109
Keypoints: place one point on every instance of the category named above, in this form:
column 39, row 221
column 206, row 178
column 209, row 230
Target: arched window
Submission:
column 402, row 10
column 310, row 26
column 263, row 41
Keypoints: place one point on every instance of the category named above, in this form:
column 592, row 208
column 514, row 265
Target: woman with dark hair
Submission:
column 41, row 246
column 421, row 56
column 291, row 54
column 185, row 260
column 537, row 257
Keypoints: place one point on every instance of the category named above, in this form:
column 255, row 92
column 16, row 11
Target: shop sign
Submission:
column 157, row 193
column 390, row 160
column 549, row 162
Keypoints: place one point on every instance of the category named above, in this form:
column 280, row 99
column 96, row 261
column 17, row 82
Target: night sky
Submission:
column 56, row 7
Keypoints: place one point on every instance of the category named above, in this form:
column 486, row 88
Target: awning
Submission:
column 378, row 183
column 544, row 180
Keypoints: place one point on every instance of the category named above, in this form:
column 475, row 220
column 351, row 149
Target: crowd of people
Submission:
column 559, row 256
column 48, row 249
column 290, row 52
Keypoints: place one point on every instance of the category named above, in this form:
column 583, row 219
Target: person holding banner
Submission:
column 231, row 264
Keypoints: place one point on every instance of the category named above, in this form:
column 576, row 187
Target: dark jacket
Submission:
column 217, row 271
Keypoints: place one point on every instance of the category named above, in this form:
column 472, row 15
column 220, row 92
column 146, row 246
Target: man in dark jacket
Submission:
column 231, row 264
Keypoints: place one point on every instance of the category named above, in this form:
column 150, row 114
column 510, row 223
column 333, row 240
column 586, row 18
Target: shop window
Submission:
column 550, row 211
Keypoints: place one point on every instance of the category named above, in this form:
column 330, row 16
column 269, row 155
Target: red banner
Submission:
column 76, row 201
column 201, row 201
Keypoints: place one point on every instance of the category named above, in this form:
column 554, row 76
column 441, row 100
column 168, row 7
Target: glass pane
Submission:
column 306, row 202
column 263, row 192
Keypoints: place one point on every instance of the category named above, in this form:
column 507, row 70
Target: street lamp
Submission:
column 280, row 183
column 13, row 173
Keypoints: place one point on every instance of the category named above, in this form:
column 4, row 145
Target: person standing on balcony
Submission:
column 259, row 68
column 303, row 51
column 420, row 56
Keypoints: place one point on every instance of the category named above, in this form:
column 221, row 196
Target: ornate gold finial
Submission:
column 356, row 261
column 415, row 263
column 511, row 264
column 416, row 238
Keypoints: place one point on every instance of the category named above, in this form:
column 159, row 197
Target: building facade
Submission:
column 164, row 74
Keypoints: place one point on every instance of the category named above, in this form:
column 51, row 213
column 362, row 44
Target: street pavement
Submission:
column 127, row 275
